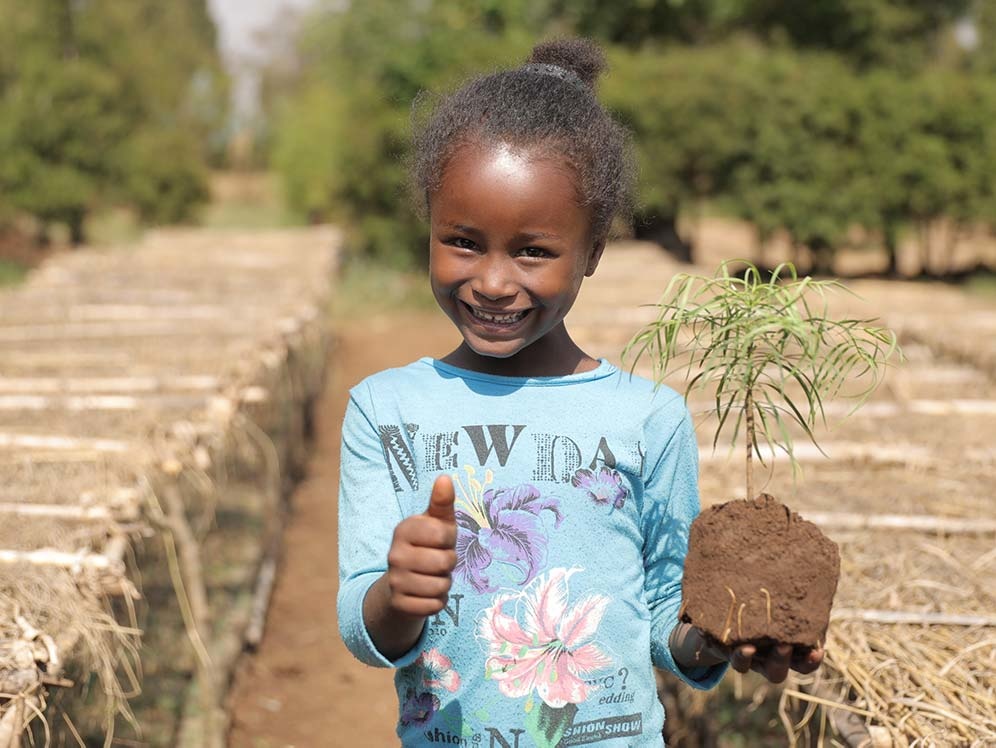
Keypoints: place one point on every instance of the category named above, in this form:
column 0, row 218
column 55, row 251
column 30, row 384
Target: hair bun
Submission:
column 581, row 56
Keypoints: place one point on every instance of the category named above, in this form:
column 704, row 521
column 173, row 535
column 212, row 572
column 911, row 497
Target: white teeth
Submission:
column 501, row 319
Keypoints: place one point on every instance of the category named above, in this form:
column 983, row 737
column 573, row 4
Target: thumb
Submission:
column 442, row 499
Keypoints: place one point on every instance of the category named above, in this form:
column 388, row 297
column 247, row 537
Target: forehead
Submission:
column 506, row 183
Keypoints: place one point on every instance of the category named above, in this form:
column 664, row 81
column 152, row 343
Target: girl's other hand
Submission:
column 422, row 557
column 774, row 662
column 691, row 647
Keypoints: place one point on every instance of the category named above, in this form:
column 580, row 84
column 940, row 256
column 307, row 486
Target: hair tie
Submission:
column 544, row 68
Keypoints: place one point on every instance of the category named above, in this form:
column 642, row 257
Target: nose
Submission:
column 495, row 279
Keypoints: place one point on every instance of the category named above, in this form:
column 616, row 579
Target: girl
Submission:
column 514, row 516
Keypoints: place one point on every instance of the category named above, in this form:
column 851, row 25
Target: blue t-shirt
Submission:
column 573, row 499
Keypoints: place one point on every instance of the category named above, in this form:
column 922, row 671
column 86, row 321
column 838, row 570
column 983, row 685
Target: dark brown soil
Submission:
column 757, row 572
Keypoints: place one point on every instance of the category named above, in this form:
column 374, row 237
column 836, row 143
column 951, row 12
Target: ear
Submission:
column 596, row 255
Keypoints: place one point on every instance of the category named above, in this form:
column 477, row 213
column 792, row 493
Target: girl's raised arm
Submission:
column 369, row 511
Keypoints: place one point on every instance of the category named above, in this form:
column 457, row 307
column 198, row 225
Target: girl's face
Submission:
column 509, row 248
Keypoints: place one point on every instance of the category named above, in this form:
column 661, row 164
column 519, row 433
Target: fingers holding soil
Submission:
column 741, row 657
column 806, row 660
column 775, row 667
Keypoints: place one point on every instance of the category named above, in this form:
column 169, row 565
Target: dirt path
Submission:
column 303, row 688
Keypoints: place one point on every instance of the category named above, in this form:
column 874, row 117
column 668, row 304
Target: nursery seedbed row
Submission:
column 95, row 385
column 138, row 391
column 914, row 455
column 26, row 441
column 25, row 315
column 76, row 331
column 140, row 358
column 85, row 403
column 922, row 522
column 837, row 411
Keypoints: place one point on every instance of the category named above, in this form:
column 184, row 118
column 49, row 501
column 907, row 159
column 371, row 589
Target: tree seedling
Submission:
column 770, row 355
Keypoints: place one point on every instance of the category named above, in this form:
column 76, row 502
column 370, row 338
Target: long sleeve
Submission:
column 368, row 513
column 671, row 503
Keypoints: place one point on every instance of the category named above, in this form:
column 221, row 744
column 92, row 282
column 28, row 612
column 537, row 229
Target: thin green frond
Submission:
column 773, row 339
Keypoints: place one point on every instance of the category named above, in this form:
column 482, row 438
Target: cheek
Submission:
column 563, row 287
column 443, row 274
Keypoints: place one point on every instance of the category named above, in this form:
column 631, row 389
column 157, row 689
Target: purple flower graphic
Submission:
column 502, row 525
column 418, row 707
column 603, row 487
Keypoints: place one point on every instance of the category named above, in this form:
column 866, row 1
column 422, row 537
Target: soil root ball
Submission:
column 757, row 572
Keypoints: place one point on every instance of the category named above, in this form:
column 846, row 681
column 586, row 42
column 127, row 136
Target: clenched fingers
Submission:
column 421, row 607
column 438, row 562
column 426, row 532
column 404, row 583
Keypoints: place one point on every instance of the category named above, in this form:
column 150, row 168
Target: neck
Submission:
column 560, row 359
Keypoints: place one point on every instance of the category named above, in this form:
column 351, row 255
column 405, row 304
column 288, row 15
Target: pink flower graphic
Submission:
column 437, row 671
column 603, row 487
column 544, row 645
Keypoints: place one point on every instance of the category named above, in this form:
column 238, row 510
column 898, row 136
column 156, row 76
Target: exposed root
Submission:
column 767, row 596
column 729, row 616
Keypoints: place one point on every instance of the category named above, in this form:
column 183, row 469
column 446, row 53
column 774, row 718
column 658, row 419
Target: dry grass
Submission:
column 914, row 683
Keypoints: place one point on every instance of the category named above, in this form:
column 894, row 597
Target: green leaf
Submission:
column 546, row 725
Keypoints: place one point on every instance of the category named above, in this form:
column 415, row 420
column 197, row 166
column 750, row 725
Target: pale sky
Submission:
column 240, row 22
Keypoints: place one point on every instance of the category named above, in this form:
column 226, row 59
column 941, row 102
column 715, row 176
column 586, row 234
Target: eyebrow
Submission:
column 462, row 227
column 527, row 236
column 538, row 235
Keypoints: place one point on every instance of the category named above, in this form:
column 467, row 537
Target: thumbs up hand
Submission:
column 422, row 557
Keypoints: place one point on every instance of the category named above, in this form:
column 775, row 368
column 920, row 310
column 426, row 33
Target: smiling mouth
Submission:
column 492, row 318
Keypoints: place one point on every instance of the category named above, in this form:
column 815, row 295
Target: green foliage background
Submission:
column 811, row 119
column 106, row 103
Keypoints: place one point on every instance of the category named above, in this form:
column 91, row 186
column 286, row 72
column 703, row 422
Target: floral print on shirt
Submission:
column 430, row 674
column 502, row 525
column 604, row 486
column 537, row 642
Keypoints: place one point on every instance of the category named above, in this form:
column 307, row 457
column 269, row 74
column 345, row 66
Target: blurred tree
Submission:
column 811, row 119
column 868, row 32
column 688, row 109
column 801, row 171
column 633, row 22
column 979, row 28
column 894, row 33
column 103, row 102
column 342, row 135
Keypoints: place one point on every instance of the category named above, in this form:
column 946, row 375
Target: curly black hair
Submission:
column 547, row 104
